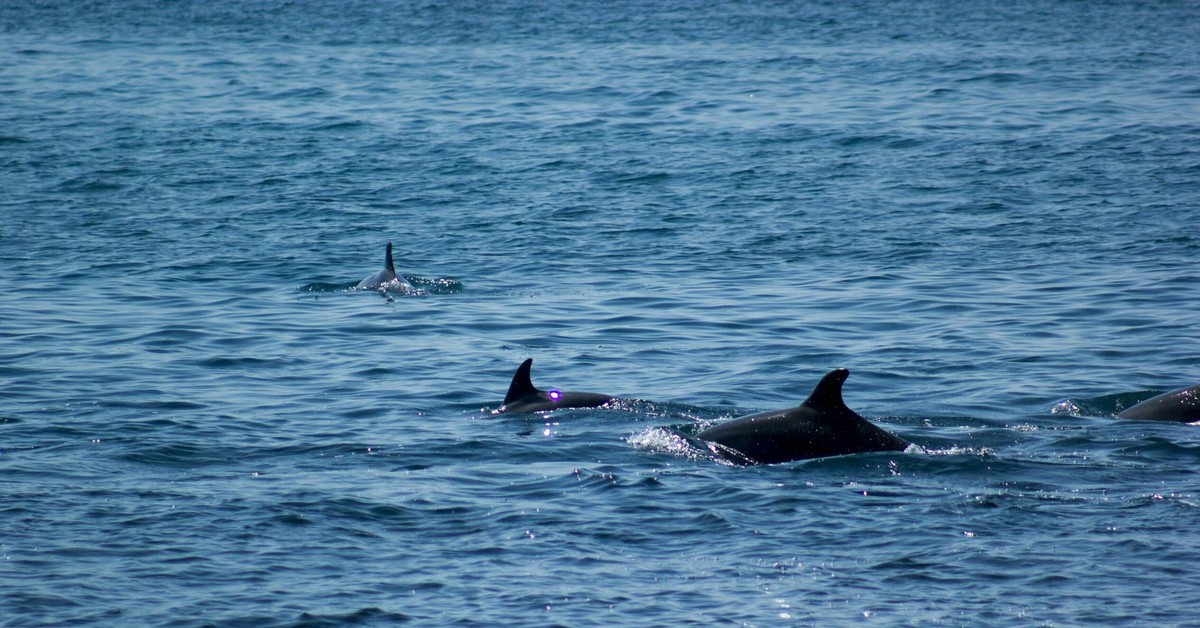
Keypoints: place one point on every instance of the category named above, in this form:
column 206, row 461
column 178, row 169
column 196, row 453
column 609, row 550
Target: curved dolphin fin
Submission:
column 521, row 385
column 826, row 398
column 388, row 264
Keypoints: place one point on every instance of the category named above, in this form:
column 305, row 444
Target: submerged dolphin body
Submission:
column 524, row 397
column 821, row 426
column 386, row 279
column 1180, row 406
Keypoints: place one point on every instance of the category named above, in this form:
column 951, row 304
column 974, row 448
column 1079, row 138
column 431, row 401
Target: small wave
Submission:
column 171, row 337
column 178, row 455
column 152, row 405
column 668, row 441
column 371, row 615
column 424, row 286
column 979, row 452
column 1068, row 408
column 660, row 97
column 997, row 78
column 339, row 125
column 1158, row 448
column 391, row 293
column 323, row 288
column 584, row 124
column 89, row 184
column 237, row 362
column 1103, row 406
column 1187, row 500
column 436, row 285
column 646, row 178
column 851, row 141
column 307, row 93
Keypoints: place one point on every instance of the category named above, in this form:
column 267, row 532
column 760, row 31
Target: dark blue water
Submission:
column 986, row 211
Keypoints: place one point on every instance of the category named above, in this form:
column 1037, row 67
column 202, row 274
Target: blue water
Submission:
column 986, row 211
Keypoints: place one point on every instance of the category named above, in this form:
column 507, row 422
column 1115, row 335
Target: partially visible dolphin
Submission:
column 821, row 426
column 1181, row 406
column 524, row 397
column 386, row 279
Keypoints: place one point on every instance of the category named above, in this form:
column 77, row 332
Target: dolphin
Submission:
column 524, row 397
column 386, row 279
column 1180, row 406
column 821, row 426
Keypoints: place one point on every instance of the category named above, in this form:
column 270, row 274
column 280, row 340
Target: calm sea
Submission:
column 988, row 211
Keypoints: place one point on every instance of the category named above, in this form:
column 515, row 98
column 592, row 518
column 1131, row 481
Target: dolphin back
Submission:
column 1180, row 406
column 386, row 278
column 821, row 426
column 523, row 396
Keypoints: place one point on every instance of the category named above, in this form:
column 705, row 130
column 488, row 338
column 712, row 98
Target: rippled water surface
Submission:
column 987, row 212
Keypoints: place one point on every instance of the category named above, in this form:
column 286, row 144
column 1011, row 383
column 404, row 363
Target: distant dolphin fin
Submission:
column 826, row 398
column 522, row 385
column 388, row 264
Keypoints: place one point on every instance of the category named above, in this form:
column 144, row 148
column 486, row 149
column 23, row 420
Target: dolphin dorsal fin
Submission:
column 388, row 263
column 521, row 385
column 827, row 396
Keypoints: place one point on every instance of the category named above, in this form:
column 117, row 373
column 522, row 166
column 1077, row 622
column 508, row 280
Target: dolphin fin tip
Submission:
column 827, row 395
column 522, row 384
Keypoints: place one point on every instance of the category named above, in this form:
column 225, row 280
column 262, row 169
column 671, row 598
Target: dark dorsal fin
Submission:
column 521, row 385
column 388, row 264
column 827, row 396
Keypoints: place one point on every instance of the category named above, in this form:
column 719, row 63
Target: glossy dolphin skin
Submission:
column 524, row 397
column 821, row 426
column 386, row 279
column 1180, row 406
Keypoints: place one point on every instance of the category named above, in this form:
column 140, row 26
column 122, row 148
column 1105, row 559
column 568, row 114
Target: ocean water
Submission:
column 988, row 212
